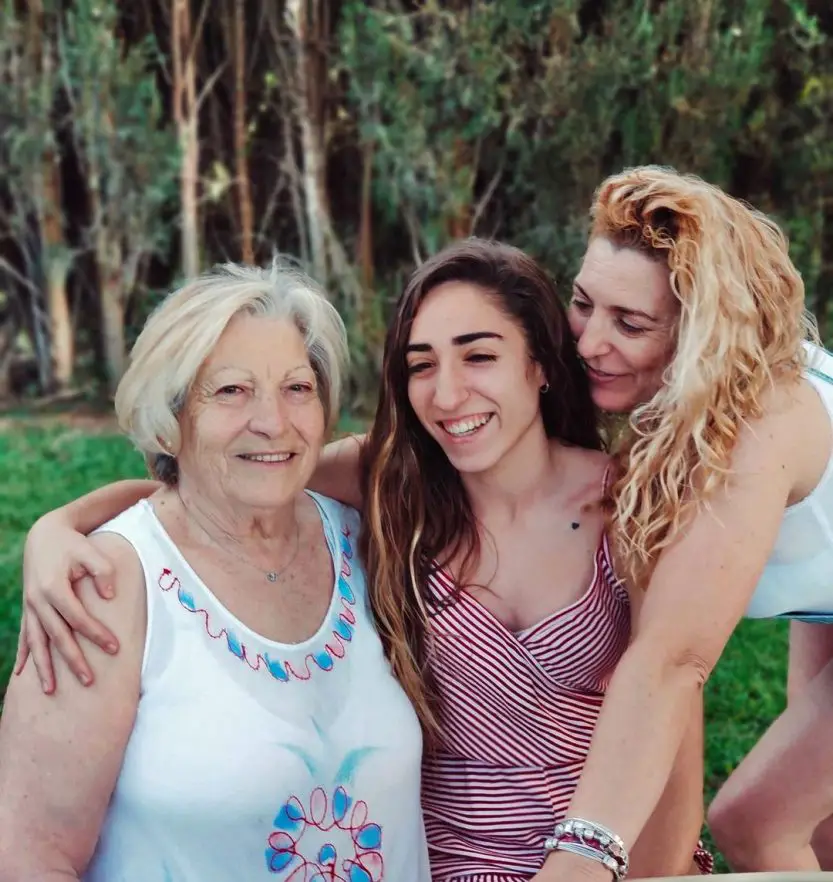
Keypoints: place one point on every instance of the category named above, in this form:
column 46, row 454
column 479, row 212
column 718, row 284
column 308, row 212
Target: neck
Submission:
column 223, row 519
column 522, row 477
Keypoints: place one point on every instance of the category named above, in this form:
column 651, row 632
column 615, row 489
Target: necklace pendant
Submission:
column 272, row 576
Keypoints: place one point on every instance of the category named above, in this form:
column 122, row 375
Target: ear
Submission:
column 538, row 373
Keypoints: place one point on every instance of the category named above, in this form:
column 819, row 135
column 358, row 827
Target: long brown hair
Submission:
column 417, row 512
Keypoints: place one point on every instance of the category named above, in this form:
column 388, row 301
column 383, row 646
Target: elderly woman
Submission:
column 250, row 727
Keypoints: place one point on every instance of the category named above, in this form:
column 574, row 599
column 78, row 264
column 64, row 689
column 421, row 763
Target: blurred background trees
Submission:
column 144, row 140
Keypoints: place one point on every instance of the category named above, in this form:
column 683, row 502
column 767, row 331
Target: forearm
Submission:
column 337, row 472
column 89, row 512
column 641, row 728
column 30, row 873
column 667, row 843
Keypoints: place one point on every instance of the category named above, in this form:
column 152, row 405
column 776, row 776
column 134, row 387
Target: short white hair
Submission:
column 184, row 329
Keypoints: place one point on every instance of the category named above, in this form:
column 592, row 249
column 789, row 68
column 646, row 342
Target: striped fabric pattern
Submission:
column 517, row 714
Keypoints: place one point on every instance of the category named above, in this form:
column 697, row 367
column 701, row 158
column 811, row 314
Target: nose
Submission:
column 450, row 390
column 268, row 416
column 594, row 339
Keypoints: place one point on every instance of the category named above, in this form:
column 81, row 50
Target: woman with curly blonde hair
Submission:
column 689, row 317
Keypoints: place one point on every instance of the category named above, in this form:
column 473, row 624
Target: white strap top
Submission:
column 256, row 760
column 798, row 579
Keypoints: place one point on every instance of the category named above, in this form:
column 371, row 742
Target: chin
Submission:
column 612, row 402
column 473, row 463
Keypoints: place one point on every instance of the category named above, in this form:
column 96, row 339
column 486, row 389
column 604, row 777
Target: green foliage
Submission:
column 507, row 115
column 124, row 140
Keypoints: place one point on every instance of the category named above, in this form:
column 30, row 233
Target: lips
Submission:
column 601, row 376
column 269, row 458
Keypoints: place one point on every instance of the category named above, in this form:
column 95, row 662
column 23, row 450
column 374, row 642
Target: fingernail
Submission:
column 86, row 679
column 112, row 648
column 45, row 685
column 108, row 591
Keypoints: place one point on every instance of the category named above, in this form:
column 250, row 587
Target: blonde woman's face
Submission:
column 622, row 314
column 253, row 425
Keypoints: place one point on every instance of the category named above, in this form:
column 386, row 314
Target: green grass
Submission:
column 43, row 468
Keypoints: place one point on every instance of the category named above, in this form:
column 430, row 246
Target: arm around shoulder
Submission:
column 338, row 473
column 60, row 756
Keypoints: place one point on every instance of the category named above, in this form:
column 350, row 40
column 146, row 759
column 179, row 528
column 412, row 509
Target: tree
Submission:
column 127, row 153
column 30, row 169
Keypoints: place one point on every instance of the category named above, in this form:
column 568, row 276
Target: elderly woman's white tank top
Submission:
column 254, row 760
column 798, row 579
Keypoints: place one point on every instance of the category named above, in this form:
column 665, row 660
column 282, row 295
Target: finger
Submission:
column 41, row 654
column 100, row 568
column 22, row 646
column 61, row 638
column 74, row 614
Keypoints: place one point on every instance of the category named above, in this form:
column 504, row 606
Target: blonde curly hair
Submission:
column 741, row 325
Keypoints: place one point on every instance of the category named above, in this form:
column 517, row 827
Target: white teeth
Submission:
column 266, row 457
column 466, row 427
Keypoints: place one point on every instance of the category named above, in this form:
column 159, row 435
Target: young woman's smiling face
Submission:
column 623, row 315
column 472, row 383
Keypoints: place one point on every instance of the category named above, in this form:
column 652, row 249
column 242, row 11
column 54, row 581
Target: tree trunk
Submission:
column 60, row 322
column 459, row 223
column 313, row 163
column 244, row 190
column 365, row 248
column 185, row 115
column 112, row 321
column 54, row 256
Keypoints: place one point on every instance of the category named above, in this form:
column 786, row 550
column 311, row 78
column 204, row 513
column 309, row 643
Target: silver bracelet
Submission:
column 592, row 853
column 593, row 841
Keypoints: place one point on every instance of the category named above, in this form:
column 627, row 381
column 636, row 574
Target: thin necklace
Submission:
column 271, row 575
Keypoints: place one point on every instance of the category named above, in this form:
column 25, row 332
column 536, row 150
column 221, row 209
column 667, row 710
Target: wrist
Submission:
column 562, row 865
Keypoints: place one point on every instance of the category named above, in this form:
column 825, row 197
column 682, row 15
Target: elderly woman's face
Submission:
column 254, row 424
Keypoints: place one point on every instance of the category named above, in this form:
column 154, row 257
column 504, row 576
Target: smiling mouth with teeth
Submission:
column 466, row 427
column 266, row 457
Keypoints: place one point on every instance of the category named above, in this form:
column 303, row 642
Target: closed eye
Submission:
column 418, row 367
column 581, row 306
column 479, row 357
column 632, row 330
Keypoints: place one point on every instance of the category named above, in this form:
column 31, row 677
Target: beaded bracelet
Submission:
column 593, row 841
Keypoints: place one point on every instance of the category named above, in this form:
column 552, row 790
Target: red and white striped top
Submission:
column 517, row 714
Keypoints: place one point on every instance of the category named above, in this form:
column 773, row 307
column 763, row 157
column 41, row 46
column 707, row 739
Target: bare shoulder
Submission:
column 587, row 469
column 591, row 462
column 793, row 437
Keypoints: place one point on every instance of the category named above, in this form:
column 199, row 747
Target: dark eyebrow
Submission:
column 461, row 340
column 622, row 310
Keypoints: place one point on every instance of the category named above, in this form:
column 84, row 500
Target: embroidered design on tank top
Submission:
column 337, row 635
column 327, row 839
